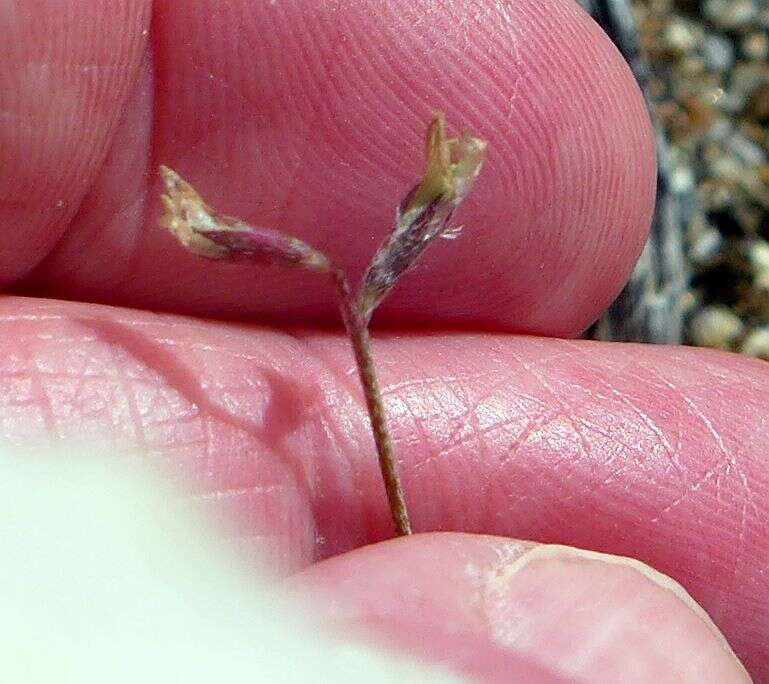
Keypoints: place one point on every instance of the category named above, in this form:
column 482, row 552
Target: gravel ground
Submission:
column 704, row 276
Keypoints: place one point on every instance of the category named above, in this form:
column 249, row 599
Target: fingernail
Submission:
column 609, row 618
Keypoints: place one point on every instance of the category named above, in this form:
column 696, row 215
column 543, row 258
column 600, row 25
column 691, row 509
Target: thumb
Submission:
column 500, row 609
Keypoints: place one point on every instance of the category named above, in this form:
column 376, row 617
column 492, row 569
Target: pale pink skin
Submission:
column 291, row 116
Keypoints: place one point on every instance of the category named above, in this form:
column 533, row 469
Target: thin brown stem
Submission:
column 451, row 168
column 357, row 329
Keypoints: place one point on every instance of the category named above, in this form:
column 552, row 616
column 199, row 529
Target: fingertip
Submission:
column 67, row 72
column 565, row 612
column 317, row 129
column 562, row 207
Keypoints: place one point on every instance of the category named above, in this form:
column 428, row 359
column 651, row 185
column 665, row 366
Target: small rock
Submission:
column 718, row 52
column 724, row 167
column 753, row 183
column 752, row 131
column 747, row 77
column 755, row 46
column 682, row 180
column 749, row 217
column 732, row 102
column 691, row 65
column 759, row 254
column 720, row 129
column 758, row 103
column 680, row 36
column 715, row 326
column 717, row 196
column 745, row 150
column 705, row 246
column 730, row 14
column 757, row 343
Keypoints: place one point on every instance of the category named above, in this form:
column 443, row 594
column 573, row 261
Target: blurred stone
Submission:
column 730, row 14
column 692, row 66
column 756, row 343
column 716, row 195
column 746, row 77
column 758, row 103
column 752, row 130
column 682, row 179
column 749, row 217
column 680, row 35
column 716, row 326
column 718, row 52
column 745, row 150
column 755, row 46
column 705, row 246
column 758, row 258
column 725, row 167
column 755, row 186
column 720, row 129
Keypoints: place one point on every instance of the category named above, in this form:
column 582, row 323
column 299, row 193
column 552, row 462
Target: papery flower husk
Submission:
column 205, row 232
column 451, row 167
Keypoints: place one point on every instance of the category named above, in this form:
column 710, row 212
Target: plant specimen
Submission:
column 451, row 167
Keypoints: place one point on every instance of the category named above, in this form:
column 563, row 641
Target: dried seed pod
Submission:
column 206, row 232
column 451, row 167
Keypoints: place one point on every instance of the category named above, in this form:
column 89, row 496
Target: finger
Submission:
column 66, row 73
column 650, row 452
column 561, row 612
column 309, row 117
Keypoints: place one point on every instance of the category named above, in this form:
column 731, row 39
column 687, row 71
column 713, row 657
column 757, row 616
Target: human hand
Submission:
column 305, row 117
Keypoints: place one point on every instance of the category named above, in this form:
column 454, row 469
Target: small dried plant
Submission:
column 451, row 167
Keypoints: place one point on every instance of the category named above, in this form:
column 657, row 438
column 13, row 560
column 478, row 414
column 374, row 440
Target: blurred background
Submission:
column 703, row 278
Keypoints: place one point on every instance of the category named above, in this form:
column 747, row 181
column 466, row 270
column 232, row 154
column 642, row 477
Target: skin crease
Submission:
column 650, row 452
